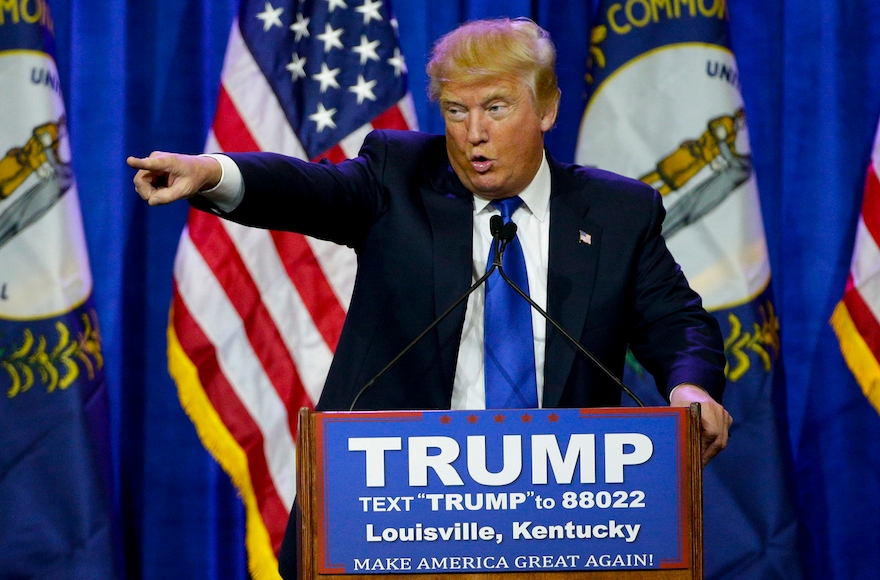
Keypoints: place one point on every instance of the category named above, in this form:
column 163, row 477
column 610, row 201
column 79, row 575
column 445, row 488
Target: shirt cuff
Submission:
column 680, row 384
column 229, row 191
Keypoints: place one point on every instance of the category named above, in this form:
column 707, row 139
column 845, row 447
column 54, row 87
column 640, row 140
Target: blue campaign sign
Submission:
column 501, row 490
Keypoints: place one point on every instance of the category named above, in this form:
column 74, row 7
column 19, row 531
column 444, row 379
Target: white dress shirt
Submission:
column 532, row 220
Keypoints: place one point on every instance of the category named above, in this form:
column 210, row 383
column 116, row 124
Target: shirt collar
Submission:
column 536, row 195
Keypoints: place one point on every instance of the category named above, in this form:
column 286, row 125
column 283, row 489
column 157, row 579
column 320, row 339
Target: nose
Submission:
column 477, row 131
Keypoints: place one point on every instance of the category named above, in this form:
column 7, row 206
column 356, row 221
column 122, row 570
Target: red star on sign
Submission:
column 472, row 418
column 553, row 417
column 499, row 418
column 526, row 418
column 445, row 419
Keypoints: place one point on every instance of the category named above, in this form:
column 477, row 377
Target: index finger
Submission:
column 147, row 163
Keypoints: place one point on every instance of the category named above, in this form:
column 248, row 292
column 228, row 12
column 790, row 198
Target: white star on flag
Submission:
column 334, row 4
column 363, row 89
column 296, row 67
column 370, row 10
column 398, row 62
column 330, row 37
column 327, row 78
column 323, row 118
column 301, row 27
column 367, row 49
column 270, row 17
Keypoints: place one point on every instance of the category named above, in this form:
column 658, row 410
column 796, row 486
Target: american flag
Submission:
column 256, row 315
column 856, row 319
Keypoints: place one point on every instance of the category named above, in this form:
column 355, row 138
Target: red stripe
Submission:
column 229, row 127
column 218, row 250
column 390, row 119
column 871, row 204
column 306, row 274
column 241, row 425
column 864, row 320
column 299, row 260
column 335, row 154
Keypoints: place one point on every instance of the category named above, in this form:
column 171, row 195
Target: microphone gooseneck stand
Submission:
column 502, row 234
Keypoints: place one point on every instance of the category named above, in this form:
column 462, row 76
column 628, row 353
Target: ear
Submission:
column 548, row 119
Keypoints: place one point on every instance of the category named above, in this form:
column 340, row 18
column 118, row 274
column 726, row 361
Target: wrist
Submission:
column 684, row 394
column 213, row 173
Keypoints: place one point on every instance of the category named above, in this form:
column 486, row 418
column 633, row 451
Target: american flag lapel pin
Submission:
column 585, row 238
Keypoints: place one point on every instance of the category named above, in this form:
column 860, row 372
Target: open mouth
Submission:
column 481, row 164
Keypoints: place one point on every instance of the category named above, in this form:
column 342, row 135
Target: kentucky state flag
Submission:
column 54, row 506
column 666, row 108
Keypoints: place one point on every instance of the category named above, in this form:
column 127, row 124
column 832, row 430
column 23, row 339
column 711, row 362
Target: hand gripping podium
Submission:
column 547, row 494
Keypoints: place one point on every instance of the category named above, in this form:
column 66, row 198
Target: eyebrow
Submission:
column 445, row 102
column 499, row 95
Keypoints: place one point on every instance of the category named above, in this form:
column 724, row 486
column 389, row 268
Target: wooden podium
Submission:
column 315, row 501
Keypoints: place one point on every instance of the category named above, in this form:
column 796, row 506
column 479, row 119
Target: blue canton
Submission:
column 333, row 64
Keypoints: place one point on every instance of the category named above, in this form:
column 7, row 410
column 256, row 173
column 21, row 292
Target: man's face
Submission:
column 494, row 136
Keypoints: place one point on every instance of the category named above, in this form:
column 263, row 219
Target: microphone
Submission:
column 496, row 228
column 502, row 235
column 496, row 222
column 507, row 233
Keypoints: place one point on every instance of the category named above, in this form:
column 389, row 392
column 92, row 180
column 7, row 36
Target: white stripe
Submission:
column 875, row 155
column 408, row 110
column 865, row 267
column 352, row 142
column 207, row 302
column 211, row 143
column 255, row 101
column 310, row 353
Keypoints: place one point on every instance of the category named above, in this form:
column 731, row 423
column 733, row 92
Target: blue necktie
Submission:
column 509, row 345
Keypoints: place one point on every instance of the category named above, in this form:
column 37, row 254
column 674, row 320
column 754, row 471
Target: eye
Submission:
column 455, row 113
column 498, row 109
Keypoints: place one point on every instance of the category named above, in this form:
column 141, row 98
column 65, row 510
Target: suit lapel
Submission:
column 574, row 254
column 450, row 212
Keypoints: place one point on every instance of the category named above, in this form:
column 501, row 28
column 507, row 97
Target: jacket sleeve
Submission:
column 672, row 334
column 336, row 202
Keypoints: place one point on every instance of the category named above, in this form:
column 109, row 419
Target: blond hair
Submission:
column 502, row 48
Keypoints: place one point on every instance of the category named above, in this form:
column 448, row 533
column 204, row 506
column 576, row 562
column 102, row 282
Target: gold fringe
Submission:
column 217, row 439
column 857, row 354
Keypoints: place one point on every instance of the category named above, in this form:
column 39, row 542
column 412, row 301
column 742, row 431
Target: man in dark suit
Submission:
column 416, row 208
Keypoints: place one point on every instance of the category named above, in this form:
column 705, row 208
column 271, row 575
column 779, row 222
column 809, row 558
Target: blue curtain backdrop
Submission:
column 142, row 75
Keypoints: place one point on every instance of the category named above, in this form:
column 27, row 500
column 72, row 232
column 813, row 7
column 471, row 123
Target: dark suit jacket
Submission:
column 410, row 220
column 404, row 211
